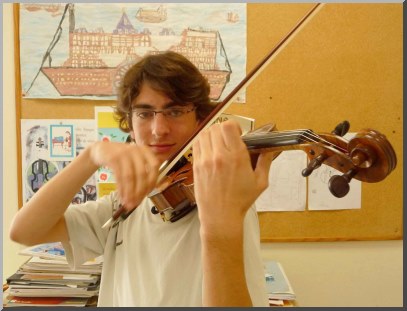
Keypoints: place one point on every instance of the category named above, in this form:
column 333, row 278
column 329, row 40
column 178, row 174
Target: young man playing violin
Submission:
column 209, row 257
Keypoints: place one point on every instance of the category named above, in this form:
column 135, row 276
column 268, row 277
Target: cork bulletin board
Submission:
column 345, row 64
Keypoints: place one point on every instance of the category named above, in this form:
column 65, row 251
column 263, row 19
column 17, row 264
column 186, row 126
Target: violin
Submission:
column 368, row 156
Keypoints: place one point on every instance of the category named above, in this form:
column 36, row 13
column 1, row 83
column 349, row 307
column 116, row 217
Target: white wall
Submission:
column 11, row 261
column 342, row 274
column 322, row 274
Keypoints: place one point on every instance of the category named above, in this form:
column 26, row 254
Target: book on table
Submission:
column 277, row 284
column 47, row 250
column 46, row 279
column 46, row 302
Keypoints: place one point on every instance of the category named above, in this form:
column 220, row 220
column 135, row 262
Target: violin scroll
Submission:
column 372, row 153
column 367, row 157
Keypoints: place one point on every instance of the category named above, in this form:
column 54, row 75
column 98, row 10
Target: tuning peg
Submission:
column 339, row 185
column 341, row 129
column 313, row 164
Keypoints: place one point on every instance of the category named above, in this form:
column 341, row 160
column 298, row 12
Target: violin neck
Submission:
column 277, row 141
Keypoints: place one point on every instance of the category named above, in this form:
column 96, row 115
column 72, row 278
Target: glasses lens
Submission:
column 175, row 112
column 143, row 113
column 171, row 113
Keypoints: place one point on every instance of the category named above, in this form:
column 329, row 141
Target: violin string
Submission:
column 311, row 136
column 305, row 134
column 320, row 139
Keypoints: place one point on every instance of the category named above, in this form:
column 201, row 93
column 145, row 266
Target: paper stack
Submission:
column 46, row 280
column 279, row 289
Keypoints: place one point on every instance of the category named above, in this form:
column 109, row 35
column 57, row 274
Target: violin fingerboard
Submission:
column 274, row 139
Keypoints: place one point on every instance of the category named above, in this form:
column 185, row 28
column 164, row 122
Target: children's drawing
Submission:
column 152, row 15
column 86, row 193
column 54, row 9
column 107, row 130
column 85, row 51
column 39, row 172
column 287, row 187
column 61, row 141
column 47, row 147
column 319, row 195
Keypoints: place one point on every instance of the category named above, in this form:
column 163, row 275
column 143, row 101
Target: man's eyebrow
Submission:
column 148, row 106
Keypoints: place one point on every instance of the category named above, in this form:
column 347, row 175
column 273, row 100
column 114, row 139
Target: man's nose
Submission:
column 160, row 125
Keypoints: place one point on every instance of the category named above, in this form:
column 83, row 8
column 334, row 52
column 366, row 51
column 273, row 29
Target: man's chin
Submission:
column 163, row 157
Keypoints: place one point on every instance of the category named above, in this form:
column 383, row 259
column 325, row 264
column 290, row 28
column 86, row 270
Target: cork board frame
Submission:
column 345, row 64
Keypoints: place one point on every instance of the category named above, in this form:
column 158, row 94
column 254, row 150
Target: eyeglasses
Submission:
column 172, row 113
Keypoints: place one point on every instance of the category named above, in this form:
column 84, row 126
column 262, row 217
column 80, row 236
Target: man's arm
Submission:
column 224, row 281
column 225, row 187
column 41, row 219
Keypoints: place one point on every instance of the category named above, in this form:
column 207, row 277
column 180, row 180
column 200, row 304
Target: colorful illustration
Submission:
column 61, row 141
column 107, row 130
column 39, row 172
column 47, row 147
column 87, row 51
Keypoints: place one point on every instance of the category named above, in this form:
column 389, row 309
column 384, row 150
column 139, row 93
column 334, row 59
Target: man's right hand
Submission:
column 135, row 169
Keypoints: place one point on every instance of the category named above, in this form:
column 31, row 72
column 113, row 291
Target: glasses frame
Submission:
column 166, row 112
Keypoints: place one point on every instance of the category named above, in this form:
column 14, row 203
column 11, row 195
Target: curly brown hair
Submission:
column 170, row 73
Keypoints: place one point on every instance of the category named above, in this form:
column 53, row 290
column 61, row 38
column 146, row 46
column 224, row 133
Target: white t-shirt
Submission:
column 148, row 262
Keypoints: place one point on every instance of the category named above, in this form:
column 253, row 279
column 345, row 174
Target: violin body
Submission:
column 367, row 157
column 175, row 196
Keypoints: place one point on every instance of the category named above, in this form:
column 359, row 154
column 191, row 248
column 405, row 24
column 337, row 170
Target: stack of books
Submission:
column 45, row 279
column 279, row 290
